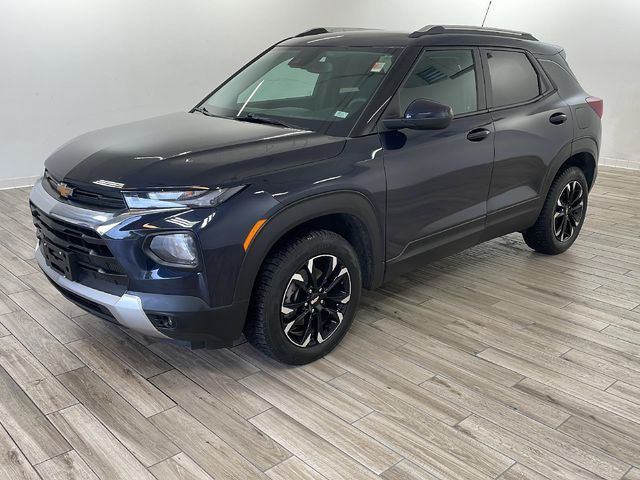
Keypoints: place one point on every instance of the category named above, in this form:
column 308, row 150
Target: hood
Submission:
column 185, row 149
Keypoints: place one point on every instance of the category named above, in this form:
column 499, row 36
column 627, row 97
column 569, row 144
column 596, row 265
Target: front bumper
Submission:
column 191, row 318
column 126, row 310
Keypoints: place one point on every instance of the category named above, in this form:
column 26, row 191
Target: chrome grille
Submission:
column 104, row 198
column 79, row 254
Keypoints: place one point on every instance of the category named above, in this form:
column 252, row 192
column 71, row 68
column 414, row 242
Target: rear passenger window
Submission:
column 513, row 78
column 444, row 76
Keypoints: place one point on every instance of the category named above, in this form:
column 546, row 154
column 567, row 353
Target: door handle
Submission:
column 558, row 118
column 478, row 134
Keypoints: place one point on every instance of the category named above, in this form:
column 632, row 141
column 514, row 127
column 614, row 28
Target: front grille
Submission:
column 90, row 197
column 79, row 254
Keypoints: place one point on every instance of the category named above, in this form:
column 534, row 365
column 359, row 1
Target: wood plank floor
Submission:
column 494, row 363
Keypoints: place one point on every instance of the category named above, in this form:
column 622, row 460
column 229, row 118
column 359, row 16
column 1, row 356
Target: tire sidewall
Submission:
column 282, row 347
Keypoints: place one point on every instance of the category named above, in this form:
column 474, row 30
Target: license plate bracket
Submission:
column 61, row 261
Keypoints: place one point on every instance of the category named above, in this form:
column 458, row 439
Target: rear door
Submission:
column 533, row 125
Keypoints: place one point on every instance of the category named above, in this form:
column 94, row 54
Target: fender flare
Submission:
column 291, row 216
column 587, row 145
column 581, row 145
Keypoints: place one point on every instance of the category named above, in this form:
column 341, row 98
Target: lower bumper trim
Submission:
column 126, row 309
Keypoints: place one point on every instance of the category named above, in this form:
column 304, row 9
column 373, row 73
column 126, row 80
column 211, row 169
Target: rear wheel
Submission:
column 305, row 299
column 562, row 216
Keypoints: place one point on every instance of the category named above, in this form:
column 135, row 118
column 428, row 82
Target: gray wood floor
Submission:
column 494, row 363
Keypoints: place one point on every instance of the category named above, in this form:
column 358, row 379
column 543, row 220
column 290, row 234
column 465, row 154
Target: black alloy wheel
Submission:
column 315, row 300
column 568, row 212
column 562, row 216
column 306, row 297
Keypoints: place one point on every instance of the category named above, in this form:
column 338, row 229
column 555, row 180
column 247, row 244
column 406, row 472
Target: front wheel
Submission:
column 562, row 216
column 305, row 299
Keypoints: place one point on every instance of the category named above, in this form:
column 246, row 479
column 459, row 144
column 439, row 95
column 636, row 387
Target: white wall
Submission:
column 70, row 66
column 602, row 41
column 601, row 38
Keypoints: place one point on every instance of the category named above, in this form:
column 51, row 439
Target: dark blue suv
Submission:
column 331, row 162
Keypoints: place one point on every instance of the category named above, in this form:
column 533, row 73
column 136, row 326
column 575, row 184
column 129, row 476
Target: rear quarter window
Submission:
column 563, row 79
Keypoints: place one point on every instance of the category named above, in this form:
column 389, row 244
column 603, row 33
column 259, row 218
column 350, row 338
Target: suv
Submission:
column 332, row 162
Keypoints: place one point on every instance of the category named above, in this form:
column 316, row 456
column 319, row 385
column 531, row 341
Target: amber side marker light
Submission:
column 252, row 233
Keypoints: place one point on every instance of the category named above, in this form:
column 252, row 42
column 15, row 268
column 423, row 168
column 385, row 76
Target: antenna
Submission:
column 486, row 13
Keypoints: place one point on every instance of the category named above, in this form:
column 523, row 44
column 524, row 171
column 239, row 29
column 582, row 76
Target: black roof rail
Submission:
column 438, row 29
column 321, row 30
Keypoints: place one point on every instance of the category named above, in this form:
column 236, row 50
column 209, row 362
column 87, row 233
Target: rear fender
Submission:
column 581, row 145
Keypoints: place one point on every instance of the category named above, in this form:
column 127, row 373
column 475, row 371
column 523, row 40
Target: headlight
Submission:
column 174, row 249
column 179, row 198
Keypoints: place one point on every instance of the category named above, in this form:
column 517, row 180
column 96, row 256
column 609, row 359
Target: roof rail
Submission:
column 438, row 29
column 321, row 30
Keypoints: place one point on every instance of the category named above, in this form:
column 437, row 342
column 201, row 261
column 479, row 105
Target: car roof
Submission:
column 431, row 35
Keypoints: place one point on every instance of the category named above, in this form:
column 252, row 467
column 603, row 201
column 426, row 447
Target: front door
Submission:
column 438, row 180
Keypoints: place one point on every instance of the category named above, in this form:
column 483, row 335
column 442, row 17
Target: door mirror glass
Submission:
column 422, row 114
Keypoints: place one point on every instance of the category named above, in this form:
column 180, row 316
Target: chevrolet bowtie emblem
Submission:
column 64, row 190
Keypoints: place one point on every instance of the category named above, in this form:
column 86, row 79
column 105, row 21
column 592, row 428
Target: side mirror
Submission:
column 422, row 114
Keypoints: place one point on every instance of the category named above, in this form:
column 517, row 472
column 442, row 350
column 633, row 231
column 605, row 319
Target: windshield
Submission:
column 313, row 88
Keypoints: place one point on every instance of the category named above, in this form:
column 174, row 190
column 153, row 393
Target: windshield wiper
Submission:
column 204, row 111
column 252, row 117
column 249, row 117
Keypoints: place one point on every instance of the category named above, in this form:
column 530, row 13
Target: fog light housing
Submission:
column 163, row 321
column 174, row 249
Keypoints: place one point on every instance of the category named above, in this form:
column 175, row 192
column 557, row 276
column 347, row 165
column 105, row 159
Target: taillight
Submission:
column 597, row 104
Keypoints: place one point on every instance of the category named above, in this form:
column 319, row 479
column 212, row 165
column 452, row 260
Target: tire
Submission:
column 296, row 317
column 566, row 202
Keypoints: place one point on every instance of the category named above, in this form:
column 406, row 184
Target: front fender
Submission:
column 293, row 215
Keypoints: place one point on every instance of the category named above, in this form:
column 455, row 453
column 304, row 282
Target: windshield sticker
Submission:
column 377, row 67
column 341, row 114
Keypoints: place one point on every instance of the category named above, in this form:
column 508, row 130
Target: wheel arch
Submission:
column 348, row 213
column 584, row 154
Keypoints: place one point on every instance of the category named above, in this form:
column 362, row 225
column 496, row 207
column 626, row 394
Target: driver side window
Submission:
column 444, row 76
